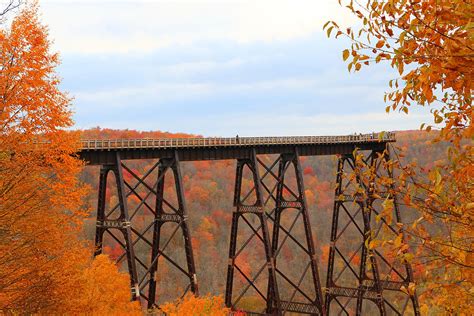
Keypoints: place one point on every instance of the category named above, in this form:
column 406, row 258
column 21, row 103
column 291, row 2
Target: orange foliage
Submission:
column 44, row 267
column 308, row 171
column 310, row 197
column 200, row 194
column 430, row 43
column 325, row 253
column 38, row 181
column 106, row 133
column 199, row 306
column 205, row 228
column 101, row 290
column 221, row 214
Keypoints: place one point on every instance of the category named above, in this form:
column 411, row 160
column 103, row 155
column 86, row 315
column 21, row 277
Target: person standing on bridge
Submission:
column 237, row 139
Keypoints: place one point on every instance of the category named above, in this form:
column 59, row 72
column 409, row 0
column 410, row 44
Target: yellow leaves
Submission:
column 437, row 182
column 437, row 117
column 408, row 257
column 387, row 211
column 397, row 242
column 424, row 309
column 410, row 290
column 373, row 244
column 192, row 305
column 376, row 196
column 400, row 67
column 345, row 54
column 329, row 30
column 355, row 65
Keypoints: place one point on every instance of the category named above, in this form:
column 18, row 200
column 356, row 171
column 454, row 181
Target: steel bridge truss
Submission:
column 289, row 287
column 270, row 229
column 157, row 242
column 362, row 279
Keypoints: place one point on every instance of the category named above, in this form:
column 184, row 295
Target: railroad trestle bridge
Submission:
column 359, row 281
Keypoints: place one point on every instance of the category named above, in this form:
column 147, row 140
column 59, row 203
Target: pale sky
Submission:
column 215, row 68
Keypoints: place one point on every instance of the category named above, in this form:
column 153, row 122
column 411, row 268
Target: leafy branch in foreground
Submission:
column 430, row 44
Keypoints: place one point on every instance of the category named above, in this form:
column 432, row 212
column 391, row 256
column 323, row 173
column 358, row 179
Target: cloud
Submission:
column 216, row 68
column 100, row 27
column 290, row 106
column 288, row 124
column 158, row 92
column 295, row 124
column 182, row 69
column 162, row 92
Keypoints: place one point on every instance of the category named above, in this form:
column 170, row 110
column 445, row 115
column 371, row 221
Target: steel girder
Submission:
column 359, row 274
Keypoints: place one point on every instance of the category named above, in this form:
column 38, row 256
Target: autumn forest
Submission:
column 49, row 197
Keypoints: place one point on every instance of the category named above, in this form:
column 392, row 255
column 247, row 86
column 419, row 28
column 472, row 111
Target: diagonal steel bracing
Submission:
column 160, row 211
column 245, row 209
column 362, row 280
column 108, row 223
column 270, row 222
column 178, row 215
column 310, row 299
column 303, row 291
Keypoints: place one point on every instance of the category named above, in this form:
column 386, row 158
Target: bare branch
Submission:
column 8, row 6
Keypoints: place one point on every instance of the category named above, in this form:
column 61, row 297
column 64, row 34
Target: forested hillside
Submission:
column 209, row 187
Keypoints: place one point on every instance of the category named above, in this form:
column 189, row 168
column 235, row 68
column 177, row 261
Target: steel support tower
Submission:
column 304, row 294
column 360, row 279
column 167, row 211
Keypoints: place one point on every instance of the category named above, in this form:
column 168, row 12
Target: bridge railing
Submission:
column 97, row 144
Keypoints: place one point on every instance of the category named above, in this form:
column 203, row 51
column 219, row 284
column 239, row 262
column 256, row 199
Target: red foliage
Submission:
column 308, row 171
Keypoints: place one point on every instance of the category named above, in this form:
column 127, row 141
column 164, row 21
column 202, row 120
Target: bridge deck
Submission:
column 102, row 151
